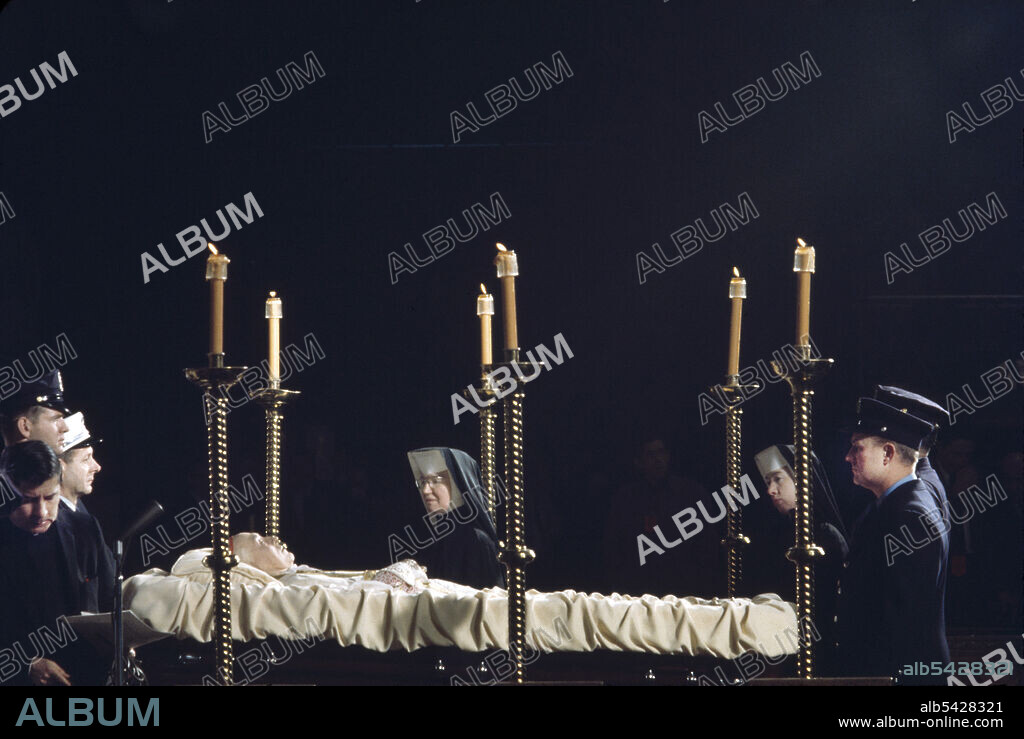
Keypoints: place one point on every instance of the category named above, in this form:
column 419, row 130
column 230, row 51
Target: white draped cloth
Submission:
column 352, row 608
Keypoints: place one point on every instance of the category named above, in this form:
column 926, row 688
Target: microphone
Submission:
column 144, row 519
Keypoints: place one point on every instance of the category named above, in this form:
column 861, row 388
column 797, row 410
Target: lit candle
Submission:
column 737, row 292
column 485, row 309
column 803, row 265
column 216, row 275
column 508, row 268
column 274, row 314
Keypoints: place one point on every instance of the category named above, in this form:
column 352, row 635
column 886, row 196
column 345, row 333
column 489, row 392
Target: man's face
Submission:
column 79, row 471
column 866, row 457
column 653, row 460
column 267, row 554
column 436, row 491
column 47, row 425
column 782, row 490
column 39, row 507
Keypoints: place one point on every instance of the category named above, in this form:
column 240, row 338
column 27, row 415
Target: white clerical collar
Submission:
column 70, row 503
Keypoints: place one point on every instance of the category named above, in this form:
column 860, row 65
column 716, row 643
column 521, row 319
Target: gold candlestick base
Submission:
column 481, row 395
column 211, row 377
column 275, row 396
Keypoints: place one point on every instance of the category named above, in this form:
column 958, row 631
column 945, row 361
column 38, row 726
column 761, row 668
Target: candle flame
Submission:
column 483, row 290
column 212, row 248
column 273, row 293
column 736, row 271
column 501, row 247
column 801, row 242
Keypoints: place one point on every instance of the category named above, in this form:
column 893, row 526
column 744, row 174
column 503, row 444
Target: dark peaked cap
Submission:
column 913, row 403
column 876, row 418
column 47, row 391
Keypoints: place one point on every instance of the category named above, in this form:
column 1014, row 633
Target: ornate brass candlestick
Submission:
column 273, row 400
column 488, row 421
column 215, row 380
column 488, row 461
column 513, row 551
column 734, row 540
column 804, row 552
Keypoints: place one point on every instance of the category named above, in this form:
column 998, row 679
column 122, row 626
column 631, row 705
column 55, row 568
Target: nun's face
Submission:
column 782, row 490
column 436, row 491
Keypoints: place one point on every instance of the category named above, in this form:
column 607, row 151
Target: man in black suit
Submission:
column 891, row 610
column 38, row 412
column 79, row 468
column 79, row 465
column 47, row 570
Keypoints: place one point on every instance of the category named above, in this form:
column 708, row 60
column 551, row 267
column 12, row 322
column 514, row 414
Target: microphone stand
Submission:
column 118, row 614
column 152, row 512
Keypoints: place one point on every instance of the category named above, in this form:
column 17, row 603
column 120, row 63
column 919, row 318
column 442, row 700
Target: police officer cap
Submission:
column 78, row 436
column 47, row 391
column 913, row 403
column 876, row 418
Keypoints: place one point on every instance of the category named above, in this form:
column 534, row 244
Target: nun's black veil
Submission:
column 830, row 534
column 468, row 555
column 826, row 508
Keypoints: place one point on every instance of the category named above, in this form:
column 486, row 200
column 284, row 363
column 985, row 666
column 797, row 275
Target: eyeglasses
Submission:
column 430, row 480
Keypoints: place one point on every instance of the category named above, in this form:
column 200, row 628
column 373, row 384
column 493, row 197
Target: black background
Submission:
column 348, row 169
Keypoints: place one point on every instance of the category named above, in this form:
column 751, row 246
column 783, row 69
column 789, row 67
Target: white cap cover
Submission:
column 769, row 460
column 77, row 432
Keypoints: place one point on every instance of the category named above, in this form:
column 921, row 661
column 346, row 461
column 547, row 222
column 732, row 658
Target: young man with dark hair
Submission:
column 47, row 570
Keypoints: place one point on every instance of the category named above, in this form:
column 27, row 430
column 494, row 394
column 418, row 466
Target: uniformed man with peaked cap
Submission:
column 891, row 609
column 79, row 467
column 79, row 464
column 935, row 414
column 36, row 412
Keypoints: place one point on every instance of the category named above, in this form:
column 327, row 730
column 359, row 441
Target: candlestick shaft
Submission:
column 734, row 518
column 803, row 321
column 734, row 336
column 273, row 400
column 804, row 549
column 222, row 560
column 514, row 553
column 273, row 486
column 486, row 341
column 488, row 461
column 216, row 316
column 508, row 290
column 804, row 552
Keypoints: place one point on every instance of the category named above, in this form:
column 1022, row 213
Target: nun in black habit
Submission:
column 465, row 547
column 773, row 571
